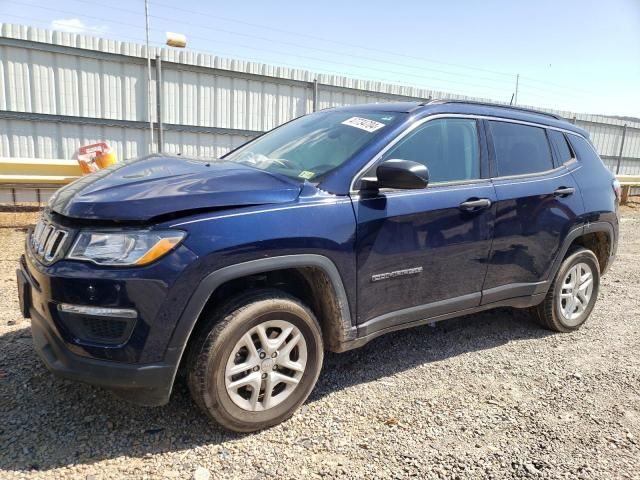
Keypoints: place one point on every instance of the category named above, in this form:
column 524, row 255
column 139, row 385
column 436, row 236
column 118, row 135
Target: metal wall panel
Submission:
column 214, row 100
column 628, row 166
column 28, row 139
column 632, row 143
column 201, row 144
column 42, row 82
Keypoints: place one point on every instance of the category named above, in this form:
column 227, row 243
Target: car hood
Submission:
column 157, row 185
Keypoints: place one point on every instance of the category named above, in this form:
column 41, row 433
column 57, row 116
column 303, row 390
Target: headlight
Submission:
column 124, row 248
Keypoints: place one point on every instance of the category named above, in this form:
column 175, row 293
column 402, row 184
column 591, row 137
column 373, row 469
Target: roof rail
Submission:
column 498, row 105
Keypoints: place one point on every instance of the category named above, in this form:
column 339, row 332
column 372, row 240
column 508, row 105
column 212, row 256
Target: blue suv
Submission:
column 324, row 233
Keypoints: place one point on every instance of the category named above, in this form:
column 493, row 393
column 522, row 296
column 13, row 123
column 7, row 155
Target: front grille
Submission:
column 48, row 241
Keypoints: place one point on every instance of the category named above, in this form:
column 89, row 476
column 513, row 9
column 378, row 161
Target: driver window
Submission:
column 448, row 147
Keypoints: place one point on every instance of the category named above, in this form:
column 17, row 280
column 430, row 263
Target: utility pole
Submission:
column 149, row 96
column 515, row 99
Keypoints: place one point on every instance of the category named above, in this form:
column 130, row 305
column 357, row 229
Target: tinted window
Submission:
column 520, row 149
column 559, row 144
column 448, row 147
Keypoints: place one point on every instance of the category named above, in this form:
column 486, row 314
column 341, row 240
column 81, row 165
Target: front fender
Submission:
column 211, row 282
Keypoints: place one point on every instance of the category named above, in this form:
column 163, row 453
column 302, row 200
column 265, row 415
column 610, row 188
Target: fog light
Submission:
column 102, row 326
column 98, row 311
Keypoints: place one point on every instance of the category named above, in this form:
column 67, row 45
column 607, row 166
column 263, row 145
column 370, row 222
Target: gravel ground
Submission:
column 485, row 396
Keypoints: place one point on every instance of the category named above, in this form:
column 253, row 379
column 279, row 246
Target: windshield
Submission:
column 313, row 145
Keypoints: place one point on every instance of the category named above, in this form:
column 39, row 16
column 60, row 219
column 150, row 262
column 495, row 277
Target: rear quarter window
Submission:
column 560, row 146
column 520, row 149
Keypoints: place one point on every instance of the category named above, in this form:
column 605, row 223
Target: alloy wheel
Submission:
column 266, row 365
column 575, row 293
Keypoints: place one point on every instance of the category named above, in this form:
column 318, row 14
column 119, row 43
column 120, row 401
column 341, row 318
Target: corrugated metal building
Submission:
column 61, row 90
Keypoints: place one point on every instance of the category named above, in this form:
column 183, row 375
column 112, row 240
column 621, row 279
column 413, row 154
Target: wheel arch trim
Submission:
column 209, row 284
column 605, row 227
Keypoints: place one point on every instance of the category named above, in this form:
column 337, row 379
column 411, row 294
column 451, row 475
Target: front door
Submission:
column 423, row 253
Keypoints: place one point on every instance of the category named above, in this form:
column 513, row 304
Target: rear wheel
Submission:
column 573, row 294
column 257, row 361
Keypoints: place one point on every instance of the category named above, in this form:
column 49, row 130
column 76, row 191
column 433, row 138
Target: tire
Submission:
column 553, row 311
column 222, row 358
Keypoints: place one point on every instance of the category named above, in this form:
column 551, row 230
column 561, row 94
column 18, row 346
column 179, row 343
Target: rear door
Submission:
column 538, row 203
column 423, row 253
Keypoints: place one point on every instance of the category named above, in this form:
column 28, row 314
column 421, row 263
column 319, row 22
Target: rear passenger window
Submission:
column 520, row 149
column 559, row 144
column 448, row 147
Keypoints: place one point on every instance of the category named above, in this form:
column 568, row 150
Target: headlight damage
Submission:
column 124, row 248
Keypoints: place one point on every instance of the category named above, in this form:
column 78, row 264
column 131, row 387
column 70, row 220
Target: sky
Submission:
column 577, row 55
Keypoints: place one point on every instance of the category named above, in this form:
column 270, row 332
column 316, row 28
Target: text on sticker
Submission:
column 363, row 124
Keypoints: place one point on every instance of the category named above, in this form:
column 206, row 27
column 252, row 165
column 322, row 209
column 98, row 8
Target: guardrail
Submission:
column 22, row 174
column 31, row 171
column 627, row 182
column 23, row 180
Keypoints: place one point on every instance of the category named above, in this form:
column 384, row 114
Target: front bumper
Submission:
column 137, row 370
column 148, row 385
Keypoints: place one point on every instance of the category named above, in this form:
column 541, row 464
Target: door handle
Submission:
column 473, row 205
column 564, row 191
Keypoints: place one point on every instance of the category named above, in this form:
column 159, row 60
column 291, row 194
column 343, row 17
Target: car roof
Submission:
column 470, row 107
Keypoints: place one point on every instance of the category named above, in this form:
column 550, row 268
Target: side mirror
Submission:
column 402, row 174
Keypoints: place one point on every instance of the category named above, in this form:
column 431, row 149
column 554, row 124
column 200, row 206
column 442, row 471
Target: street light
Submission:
column 173, row 40
column 177, row 40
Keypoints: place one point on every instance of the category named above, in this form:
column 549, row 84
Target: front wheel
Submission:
column 257, row 361
column 572, row 294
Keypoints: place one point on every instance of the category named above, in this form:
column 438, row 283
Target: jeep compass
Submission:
column 320, row 235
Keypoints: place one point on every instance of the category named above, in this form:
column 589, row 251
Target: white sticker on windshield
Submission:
column 306, row 174
column 363, row 124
